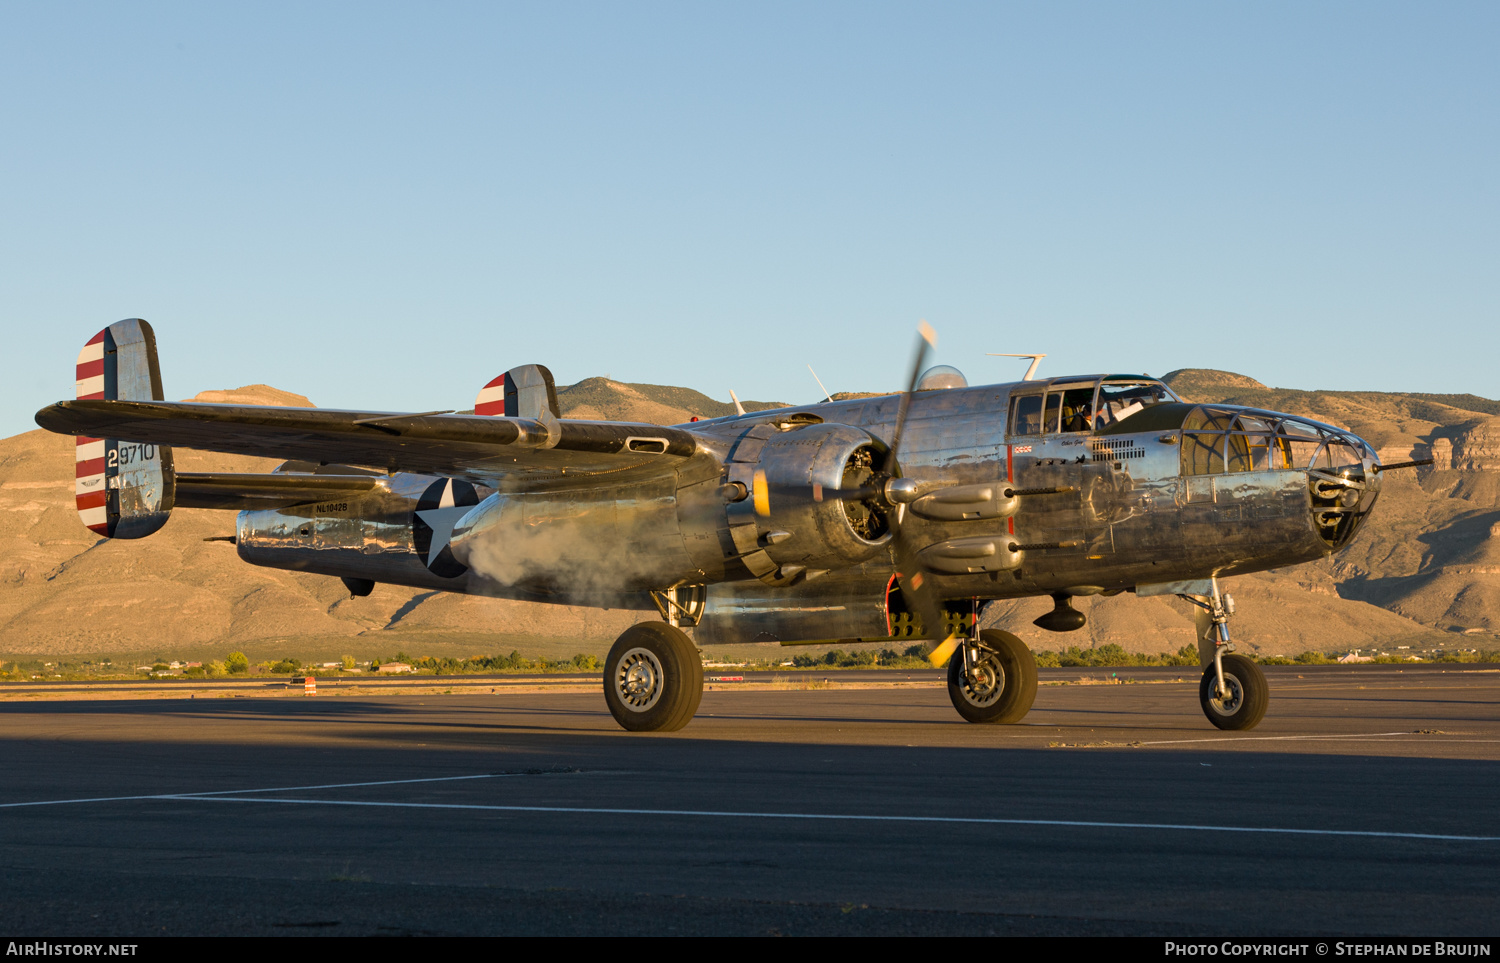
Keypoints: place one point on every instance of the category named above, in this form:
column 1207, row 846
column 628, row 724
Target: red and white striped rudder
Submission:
column 491, row 400
column 123, row 488
column 526, row 391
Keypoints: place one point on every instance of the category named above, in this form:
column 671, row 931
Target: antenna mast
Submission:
column 820, row 383
column 1036, row 359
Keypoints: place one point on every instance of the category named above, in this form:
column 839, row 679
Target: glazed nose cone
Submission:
column 1344, row 482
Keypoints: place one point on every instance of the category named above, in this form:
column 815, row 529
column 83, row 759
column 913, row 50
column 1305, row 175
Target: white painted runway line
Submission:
column 241, row 792
column 849, row 817
column 1342, row 735
column 255, row 796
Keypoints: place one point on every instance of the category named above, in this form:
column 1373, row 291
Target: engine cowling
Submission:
column 793, row 529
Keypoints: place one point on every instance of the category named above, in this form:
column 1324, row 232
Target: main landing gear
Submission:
column 992, row 678
column 1233, row 690
column 653, row 678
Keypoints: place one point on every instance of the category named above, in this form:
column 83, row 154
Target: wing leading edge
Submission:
column 448, row 444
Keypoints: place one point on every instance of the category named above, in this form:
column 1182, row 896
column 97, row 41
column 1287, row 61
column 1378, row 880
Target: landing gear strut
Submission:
column 1233, row 690
column 992, row 678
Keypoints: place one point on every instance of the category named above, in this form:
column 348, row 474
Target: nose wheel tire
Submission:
column 999, row 685
column 653, row 678
column 1244, row 705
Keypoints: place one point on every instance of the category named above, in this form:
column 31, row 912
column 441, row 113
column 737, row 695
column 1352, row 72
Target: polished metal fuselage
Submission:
column 1127, row 515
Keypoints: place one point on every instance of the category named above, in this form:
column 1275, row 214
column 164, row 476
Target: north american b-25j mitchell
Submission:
column 884, row 518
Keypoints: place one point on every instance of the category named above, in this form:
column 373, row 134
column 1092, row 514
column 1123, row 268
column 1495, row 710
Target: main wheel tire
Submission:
column 1245, row 705
column 1002, row 686
column 653, row 678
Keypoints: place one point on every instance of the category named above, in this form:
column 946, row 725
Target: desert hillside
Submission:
column 600, row 399
column 1425, row 572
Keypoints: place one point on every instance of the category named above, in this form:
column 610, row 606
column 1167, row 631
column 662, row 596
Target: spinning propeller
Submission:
column 914, row 588
column 895, row 493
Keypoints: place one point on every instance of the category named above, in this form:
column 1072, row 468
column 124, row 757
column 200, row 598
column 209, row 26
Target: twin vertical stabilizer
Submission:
column 123, row 489
column 523, row 392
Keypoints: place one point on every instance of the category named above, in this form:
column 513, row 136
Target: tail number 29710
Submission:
column 125, row 455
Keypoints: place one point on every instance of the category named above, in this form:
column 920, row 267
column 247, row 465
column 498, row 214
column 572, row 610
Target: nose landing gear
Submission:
column 1233, row 690
column 1242, row 701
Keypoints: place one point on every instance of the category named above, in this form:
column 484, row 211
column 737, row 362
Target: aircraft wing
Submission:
column 447, row 444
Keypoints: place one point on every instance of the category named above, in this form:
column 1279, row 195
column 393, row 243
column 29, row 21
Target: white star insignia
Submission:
column 441, row 520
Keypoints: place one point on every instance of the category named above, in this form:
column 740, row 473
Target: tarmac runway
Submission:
column 1363, row 805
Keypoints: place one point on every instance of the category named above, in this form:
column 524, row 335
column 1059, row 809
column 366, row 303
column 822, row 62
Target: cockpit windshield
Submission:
column 1120, row 400
column 1063, row 407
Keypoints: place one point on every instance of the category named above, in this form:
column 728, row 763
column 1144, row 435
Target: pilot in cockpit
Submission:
column 1076, row 417
column 1076, row 404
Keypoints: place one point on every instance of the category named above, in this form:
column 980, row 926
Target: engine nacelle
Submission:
column 795, row 528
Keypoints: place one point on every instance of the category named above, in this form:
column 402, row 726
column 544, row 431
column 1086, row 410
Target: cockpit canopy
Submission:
column 1083, row 404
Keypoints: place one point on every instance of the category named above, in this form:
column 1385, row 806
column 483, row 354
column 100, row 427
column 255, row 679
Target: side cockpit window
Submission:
column 1082, row 406
column 1063, row 408
column 1026, row 415
column 1076, row 407
column 1049, row 412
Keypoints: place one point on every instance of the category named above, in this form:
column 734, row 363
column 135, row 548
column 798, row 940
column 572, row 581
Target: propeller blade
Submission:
column 761, row 494
column 926, row 338
column 916, row 591
column 944, row 652
column 917, row 594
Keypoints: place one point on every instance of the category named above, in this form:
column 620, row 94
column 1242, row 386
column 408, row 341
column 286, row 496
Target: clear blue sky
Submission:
column 383, row 206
